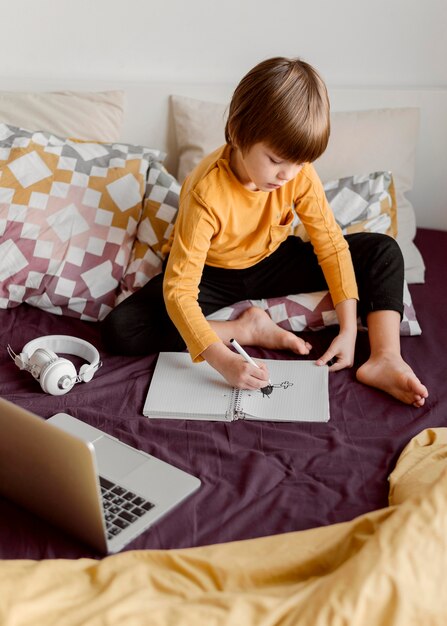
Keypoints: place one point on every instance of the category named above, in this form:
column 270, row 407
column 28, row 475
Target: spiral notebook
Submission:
column 181, row 389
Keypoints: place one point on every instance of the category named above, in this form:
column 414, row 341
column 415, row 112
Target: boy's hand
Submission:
column 235, row 369
column 340, row 353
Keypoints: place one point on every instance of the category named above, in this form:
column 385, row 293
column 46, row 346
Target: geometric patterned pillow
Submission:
column 69, row 212
column 294, row 312
column 310, row 311
column 156, row 223
column 364, row 203
column 360, row 203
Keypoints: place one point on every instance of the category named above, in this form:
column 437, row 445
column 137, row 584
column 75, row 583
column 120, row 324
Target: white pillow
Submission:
column 361, row 141
column 199, row 129
column 84, row 115
column 379, row 139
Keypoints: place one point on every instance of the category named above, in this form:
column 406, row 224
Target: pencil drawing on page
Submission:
column 267, row 390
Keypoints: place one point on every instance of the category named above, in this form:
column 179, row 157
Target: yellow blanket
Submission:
column 388, row 567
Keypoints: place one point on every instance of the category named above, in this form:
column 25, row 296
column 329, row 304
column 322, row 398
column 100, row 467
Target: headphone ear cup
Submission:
column 86, row 372
column 40, row 359
column 58, row 377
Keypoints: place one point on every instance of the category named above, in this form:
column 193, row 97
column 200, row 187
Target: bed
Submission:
column 260, row 481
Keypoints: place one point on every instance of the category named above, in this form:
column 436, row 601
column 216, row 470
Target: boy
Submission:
column 231, row 242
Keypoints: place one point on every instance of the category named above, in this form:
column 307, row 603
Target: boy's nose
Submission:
column 284, row 175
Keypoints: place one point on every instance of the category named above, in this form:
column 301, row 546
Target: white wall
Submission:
column 352, row 42
column 391, row 43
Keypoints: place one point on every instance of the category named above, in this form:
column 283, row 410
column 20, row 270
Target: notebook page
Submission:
column 182, row 389
column 300, row 392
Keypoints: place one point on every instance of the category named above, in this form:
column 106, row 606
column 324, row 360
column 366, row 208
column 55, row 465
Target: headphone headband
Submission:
column 66, row 345
column 57, row 375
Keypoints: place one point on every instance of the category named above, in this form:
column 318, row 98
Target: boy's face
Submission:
column 260, row 169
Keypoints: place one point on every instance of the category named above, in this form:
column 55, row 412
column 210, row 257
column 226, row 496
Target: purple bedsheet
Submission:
column 258, row 478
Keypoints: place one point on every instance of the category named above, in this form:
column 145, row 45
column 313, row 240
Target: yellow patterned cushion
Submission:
column 361, row 204
column 69, row 212
column 155, row 226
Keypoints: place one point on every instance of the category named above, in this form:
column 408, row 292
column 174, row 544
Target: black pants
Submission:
column 140, row 324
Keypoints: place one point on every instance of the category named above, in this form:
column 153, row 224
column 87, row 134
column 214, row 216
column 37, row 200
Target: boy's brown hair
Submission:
column 283, row 103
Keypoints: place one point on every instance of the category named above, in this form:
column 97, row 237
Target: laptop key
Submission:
column 138, row 501
column 129, row 495
column 128, row 516
column 138, row 511
column 122, row 523
column 118, row 501
column 107, row 484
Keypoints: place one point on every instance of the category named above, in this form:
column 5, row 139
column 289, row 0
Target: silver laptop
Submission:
column 84, row 481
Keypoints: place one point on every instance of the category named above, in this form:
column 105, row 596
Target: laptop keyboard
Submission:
column 121, row 506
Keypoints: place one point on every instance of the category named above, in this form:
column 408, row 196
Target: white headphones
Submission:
column 56, row 374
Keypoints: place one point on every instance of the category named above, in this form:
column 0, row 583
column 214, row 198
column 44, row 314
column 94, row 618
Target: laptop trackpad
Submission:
column 114, row 459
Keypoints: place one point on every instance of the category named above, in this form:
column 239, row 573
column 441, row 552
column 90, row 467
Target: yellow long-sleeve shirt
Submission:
column 223, row 224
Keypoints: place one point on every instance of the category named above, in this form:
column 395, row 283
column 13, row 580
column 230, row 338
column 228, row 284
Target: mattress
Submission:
column 258, row 478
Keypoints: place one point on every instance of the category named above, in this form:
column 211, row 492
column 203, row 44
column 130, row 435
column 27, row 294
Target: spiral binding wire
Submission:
column 238, row 413
column 235, row 412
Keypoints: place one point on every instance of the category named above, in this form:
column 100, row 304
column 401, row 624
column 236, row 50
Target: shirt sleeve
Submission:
column 330, row 247
column 194, row 229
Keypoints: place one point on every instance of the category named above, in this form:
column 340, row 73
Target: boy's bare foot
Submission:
column 258, row 329
column 392, row 374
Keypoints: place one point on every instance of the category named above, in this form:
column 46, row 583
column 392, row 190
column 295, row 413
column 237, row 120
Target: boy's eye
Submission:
column 275, row 161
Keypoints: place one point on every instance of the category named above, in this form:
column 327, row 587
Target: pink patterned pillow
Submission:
column 69, row 212
column 310, row 311
column 156, row 223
